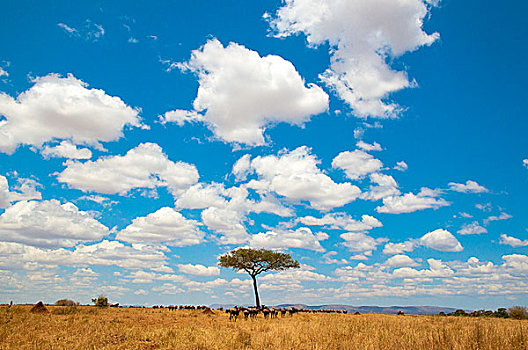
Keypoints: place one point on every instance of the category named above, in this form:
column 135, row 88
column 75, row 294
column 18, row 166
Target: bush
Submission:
column 101, row 301
column 518, row 312
column 66, row 302
column 501, row 313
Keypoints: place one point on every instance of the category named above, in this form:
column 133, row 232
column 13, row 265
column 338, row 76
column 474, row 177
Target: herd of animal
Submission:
column 252, row 312
column 270, row 312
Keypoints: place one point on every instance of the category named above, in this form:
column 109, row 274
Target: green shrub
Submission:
column 101, row 301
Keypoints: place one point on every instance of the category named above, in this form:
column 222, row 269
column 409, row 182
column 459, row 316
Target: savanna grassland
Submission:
column 88, row 327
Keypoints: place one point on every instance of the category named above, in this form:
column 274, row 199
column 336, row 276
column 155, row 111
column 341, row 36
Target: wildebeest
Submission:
column 233, row 313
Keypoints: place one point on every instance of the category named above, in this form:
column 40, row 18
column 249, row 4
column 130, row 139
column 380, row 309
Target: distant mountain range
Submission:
column 390, row 310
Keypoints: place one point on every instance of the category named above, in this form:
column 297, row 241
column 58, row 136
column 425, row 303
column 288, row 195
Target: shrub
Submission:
column 501, row 313
column 101, row 301
column 66, row 302
column 518, row 312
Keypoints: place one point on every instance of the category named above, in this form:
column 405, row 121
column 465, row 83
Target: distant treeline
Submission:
column 515, row 312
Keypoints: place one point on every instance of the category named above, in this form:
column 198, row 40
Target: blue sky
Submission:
column 380, row 143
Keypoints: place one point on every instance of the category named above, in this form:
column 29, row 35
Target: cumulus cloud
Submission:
column 360, row 242
column 26, row 189
column 398, row 248
column 164, row 225
column 525, row 163
column 342, row 221
column 401, row 166
column 369, row 147
column 441, row 240
column 283, row 239
column 145, row 166
column 383, row 186
column 468, row 187
column 356, row 164
column 180, row 117
column 66, row 150
column 512, row 241
column 62, row 108
column 363, row 37
column 295, row 175
column 228, row 222
column 411, row 202
column 225, row 209
column 49, row 224
column 472, row 229
column 400, row 260
column 199, row 270
column 241, row 93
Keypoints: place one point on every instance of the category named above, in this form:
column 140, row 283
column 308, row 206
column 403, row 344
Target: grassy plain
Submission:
column 89, row 327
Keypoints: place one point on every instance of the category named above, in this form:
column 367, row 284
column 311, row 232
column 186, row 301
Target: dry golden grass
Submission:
column 92, row 328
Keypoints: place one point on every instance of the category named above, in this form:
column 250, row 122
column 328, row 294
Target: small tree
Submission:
column 100, row 301
column 518, row 312
column 257, row 261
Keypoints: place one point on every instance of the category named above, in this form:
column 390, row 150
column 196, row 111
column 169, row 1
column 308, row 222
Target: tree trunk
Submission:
column 257, row 300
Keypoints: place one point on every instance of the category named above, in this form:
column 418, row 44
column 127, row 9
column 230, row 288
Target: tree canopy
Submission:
column 256, row 261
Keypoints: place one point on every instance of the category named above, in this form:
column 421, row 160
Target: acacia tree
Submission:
column 256, row 261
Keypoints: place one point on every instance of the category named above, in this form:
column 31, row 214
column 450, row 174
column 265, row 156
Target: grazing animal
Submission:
column 233, row 313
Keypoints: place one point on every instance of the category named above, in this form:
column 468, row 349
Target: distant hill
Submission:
column 390, row 310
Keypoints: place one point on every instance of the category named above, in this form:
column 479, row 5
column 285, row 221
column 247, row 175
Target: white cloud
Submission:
column 91, row 31
column 145, row 166
column 199, row 270
column 25, row 190
column 62, row 108
column 437, row 269
column 66, row 150
column 4, row 192
column 410, row 202
column 164, row 225
column 241, row 93
column 385, row 186
column 228, row 222
column 356, row 164
column 360, row 242
column 49, row 224
column 398, row 248
column 369, row 147
column 363, row 37
column 180, row 117
column 468, row 187
column 201, row 196
column 441, row 240
column 400, row 260
column 525, row 163
column 342, row 221
column 512, row 241
column 242, row 167
column 3, row 73
column 278, row 239
column 472, row 229
column 502, row 216
column 296, row 176
column 401, row 166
